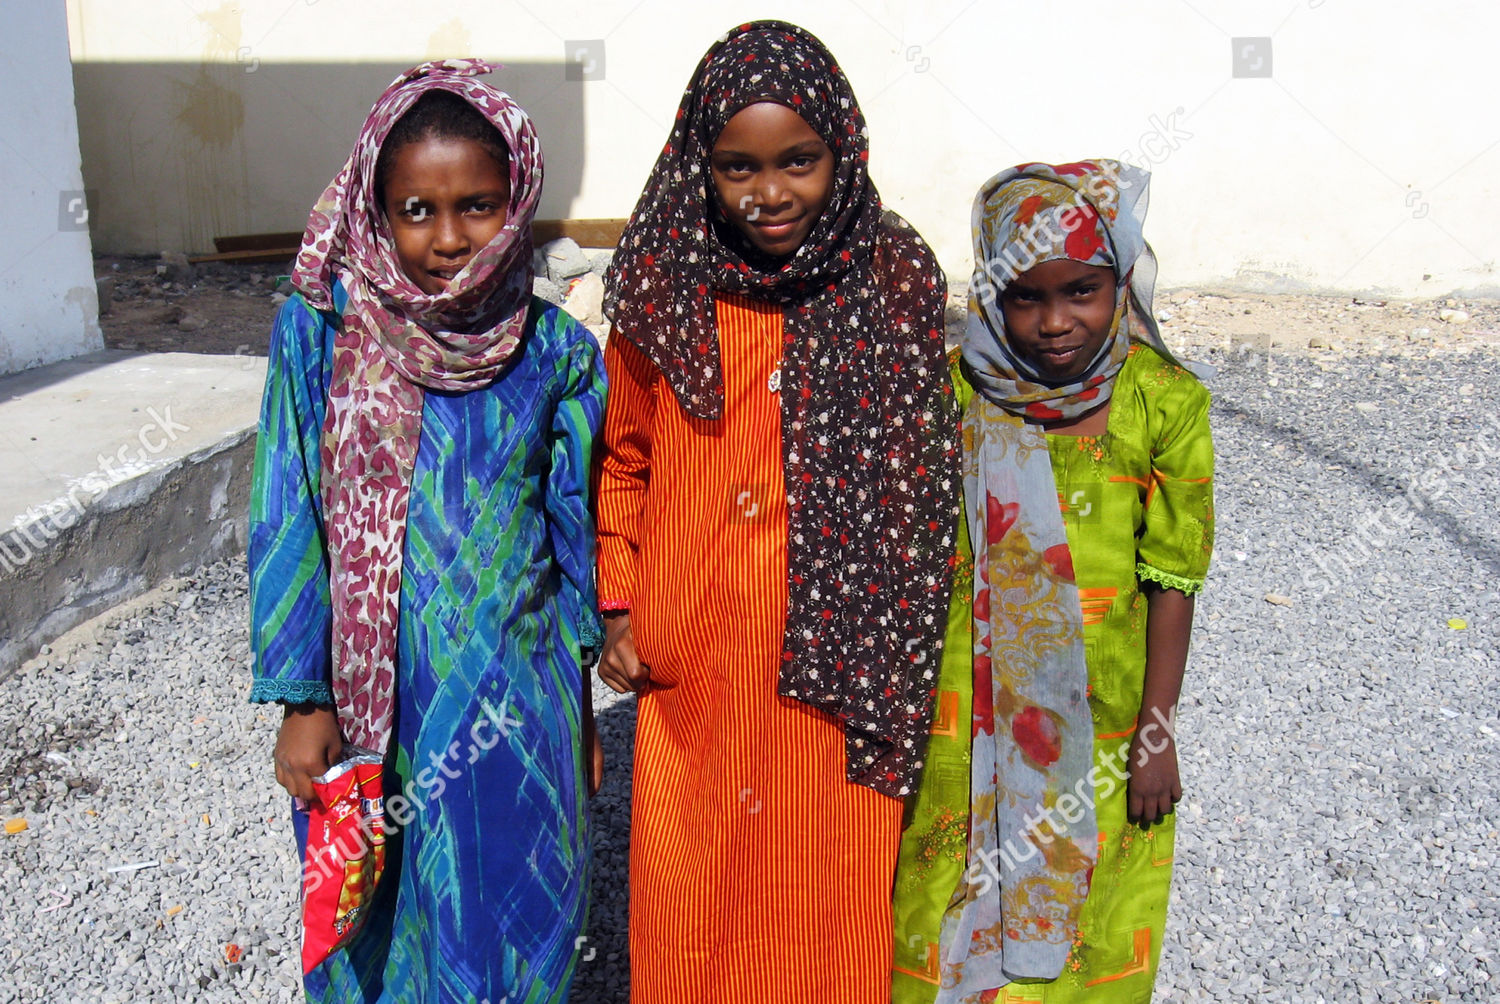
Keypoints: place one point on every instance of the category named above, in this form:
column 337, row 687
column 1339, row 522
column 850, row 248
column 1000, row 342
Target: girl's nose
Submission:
column 772, row 195
column 448, row 238
column 1055, row 318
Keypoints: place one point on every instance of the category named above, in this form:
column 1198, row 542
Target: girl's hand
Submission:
column 1155, row 786
column 309, row 743
column 619, row 666
column 593, row 749
column 1154, row 783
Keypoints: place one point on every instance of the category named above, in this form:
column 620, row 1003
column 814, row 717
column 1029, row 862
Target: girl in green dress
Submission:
column 1037, row 858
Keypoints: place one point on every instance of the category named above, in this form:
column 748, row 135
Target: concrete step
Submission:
column 118, row 470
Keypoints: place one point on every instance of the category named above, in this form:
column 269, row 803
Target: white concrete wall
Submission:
column 1368, row 160
column 48, row 306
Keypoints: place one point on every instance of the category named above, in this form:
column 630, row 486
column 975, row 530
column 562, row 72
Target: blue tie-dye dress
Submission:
column 485, row 889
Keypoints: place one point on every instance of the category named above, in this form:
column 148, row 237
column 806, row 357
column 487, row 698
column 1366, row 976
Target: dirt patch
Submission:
column 32, row 779
column 147, row 305
column 46, row 760
column 1192, row 318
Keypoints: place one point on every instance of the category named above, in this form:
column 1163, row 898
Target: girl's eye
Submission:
column 803, row 162
column 414, row 211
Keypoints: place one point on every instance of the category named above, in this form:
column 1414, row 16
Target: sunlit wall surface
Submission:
column 1294, row 144
column 46, row 275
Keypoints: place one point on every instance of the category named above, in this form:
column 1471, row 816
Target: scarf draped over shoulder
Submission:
column 1033, row 736
column 868, row 420
column 394, row 343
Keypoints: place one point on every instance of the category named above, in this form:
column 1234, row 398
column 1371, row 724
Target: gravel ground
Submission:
column 1340, row 829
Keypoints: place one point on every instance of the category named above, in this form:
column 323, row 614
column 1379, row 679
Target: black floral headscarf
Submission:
column 868, row 419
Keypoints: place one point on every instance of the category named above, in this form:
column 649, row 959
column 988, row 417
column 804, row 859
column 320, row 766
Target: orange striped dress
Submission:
column 758, row 875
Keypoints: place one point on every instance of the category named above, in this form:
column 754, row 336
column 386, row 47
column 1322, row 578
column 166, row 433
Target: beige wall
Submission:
column 1368, row 161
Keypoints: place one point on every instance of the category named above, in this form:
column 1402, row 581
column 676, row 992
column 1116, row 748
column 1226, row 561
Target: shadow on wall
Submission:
column 175, row 154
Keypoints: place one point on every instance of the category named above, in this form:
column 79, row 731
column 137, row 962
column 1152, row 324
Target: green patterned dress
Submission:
column 1137, row 503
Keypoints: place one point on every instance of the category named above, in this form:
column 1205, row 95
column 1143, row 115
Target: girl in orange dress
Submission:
column 777, row 503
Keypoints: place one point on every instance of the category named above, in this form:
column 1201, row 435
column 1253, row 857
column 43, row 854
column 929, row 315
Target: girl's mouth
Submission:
column 1060, row 356
column 774, row 231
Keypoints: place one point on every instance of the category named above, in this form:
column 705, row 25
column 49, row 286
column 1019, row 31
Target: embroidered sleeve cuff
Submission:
column 610, row 606
column 291, row 692
column 1146, row 573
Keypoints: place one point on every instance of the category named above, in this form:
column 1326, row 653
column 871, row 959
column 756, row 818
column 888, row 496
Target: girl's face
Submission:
column 1058, row 315
column 773, row 175
column 444, row 200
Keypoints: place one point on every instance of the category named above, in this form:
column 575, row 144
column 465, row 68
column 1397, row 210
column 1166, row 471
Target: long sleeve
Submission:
column 624, row 469
column 575, row 423
column 290, row 617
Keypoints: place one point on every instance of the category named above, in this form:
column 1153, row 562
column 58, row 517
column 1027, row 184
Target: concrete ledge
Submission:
column 117, row 471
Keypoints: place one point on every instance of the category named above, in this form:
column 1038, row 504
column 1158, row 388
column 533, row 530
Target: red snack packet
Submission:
column 342, row 839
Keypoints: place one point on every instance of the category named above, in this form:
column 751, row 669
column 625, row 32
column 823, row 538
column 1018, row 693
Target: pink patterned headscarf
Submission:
column 394, row 343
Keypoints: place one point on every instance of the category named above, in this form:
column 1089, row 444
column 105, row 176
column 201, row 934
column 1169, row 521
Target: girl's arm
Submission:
column 1174, row 551
column 1155, row 785
column 290, row 617
column 624, row 475
column 575, row 422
